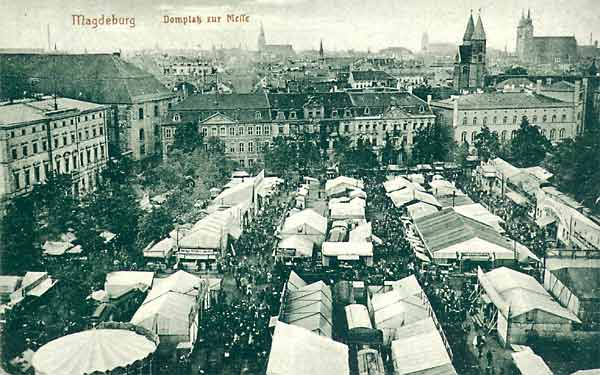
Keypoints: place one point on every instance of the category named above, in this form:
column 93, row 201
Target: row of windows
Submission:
column 33, row 129
column 156, row 112
column 234, row 131
column 62, row 141
column 515, row 119
column 562, row 133
column 246, row 147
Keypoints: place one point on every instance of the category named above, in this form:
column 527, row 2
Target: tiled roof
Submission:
column 501, row 100
column 227, row 101
column 101, row 78
column 370, row 75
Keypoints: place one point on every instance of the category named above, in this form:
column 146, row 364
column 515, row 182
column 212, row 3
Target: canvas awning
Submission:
column 545, row 221
column 516, row 197
column 422, row 257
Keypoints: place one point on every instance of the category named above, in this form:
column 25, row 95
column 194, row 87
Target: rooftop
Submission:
column 501, row 100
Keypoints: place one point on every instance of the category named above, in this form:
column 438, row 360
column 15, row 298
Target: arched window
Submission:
column 553, row 118
column 176, row 117
column 474, row 120
column 562, row 133
column 142, row 135
column 463, row 137
column 503, row 135
column 515, row 118
column 544, row 118
column 473, row 135
column 513, row 134
column 504, row 120
column 534, row 119
column 258, row 115
column 552, row 134
column 465, row 120
column 485, row 120
column 495, row 120
column 564, row 118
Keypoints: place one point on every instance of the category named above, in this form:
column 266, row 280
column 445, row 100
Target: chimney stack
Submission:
column 428, row 100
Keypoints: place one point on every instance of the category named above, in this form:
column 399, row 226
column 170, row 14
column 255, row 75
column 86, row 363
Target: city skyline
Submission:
column 341, row 24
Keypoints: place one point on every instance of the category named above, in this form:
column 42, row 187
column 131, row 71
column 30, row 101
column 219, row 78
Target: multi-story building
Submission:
column 362, row 79
column 502, row 112
column 248, row 122
column 137, row 101
column 39, row 138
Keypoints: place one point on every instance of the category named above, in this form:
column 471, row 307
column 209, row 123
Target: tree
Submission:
column 187, row 138
column 487, row 144
column 13, row 83
column 432, row 143
column 529, row 146
column 20, row 233
column 460, row 152
column 389, row 155
column 516, row 71
column 154, row 226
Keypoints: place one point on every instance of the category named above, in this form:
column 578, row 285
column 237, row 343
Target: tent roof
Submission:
column 89, row 351
column 530, row 363
column 522, row 293
column 331, row 186
column 420, row 209
column 403, row 197
column 296, row 351
column 161, row 249
column 397, row 183
column 303, row 246
column 357, row 316
column 295, row 282
column 129, row 278
column 336, row 249
column 348, row 210
column 420, row 353
column 305, row 217
column 477, row 212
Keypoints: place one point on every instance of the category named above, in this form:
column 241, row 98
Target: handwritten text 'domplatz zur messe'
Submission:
column 190, row 20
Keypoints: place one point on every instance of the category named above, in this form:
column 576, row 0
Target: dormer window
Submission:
column 421, row 109
column 258, row 115
column 366, row 110
column 280, row 115
column 334, row 113
column 176, row 117
column 347, row 113
column 293, row 115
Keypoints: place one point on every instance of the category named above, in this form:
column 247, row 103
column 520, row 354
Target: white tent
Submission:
column 397, row 183
column 401, row 198
column 296, row 245
column 296, row 351
column 310, row 307
column 530, row 363
column 340, row 249
column 341, row 184
column 357, row 316
column 162, row 249
column 120, row 282
column 420, row 209
column 477, row 212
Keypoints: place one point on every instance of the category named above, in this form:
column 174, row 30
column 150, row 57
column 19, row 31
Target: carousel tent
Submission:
column 120, row 282
column 96, row 351
column 421, row 352
column 296, row 351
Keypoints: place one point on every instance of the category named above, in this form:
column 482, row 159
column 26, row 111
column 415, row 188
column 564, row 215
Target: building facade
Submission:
column 246, row 123
column 470, row 61
column 40, row 138
column 502, row 113
column 137, row 101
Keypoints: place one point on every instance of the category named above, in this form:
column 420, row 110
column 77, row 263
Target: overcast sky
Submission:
column 342, row 24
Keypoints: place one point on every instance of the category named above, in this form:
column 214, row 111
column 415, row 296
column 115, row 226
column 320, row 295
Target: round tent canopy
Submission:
column 94, row 351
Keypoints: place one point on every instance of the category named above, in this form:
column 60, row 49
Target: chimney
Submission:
column 538, row 86
column 596, row 44
column 117, row 54
column 428, row 100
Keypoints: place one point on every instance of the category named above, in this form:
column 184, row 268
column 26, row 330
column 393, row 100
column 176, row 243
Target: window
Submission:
column 44, row 146
column 36, row 173
column 16, row 177
column 250, row 130
column 463, row 137
column 142, row 135
column 553, row 118
column 513, row 134
column 231, row 131
column 93, row 117
column 205, row 132
column 504, row 120
column 465, row 120
column 214, row 131
column 280, row 129
column 293, row 115
column 240, row 130
column 35, row 147
column 57, row 162
column 267, row 130
column 503, row 135
column 485, row 121
column 81, row 158
column 347, row 113
column 74, row 157
column 55, row 142
column 88, row 154
column 156, row 110
column 71, row 124
column 241, row 148
column 23, row 131
column 64, row 139
column 474, row 120
column 55, row 126
column 94, row 132
column 66, row 163
column 552, row 134
column 86, row 118
column 12, row 134
column 258, row 115
column 95, row 153
column 473, row 135
column 281, row 116
column 368, row 127
column 258, row 130
column 222, row 131
column 232, row 148
column 141, row 114
column 346, row 128
column 495, row 120
column 46, row 169
column 562, row 133
column 33, row 130
column 143, row 149
column 101, row 151
column 87, row 134
column 73, row 137
column 13, row 153
column 544, row 118
column 534, row 119
column 27, row 177
column 360, row 128
column 250, row 147
column 515, row 119
column 564, row 118
column 334, row 113
column 366, row 110
column 176, row 117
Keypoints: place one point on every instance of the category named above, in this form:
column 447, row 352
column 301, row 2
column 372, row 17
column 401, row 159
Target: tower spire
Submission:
column 479, row 33
column 321, row 53
column 528, row 14
column 470, row 28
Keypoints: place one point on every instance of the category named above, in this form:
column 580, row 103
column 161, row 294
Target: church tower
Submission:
column 261, row 39
column 470, row 61
column 321, row 52
column 524, row 37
